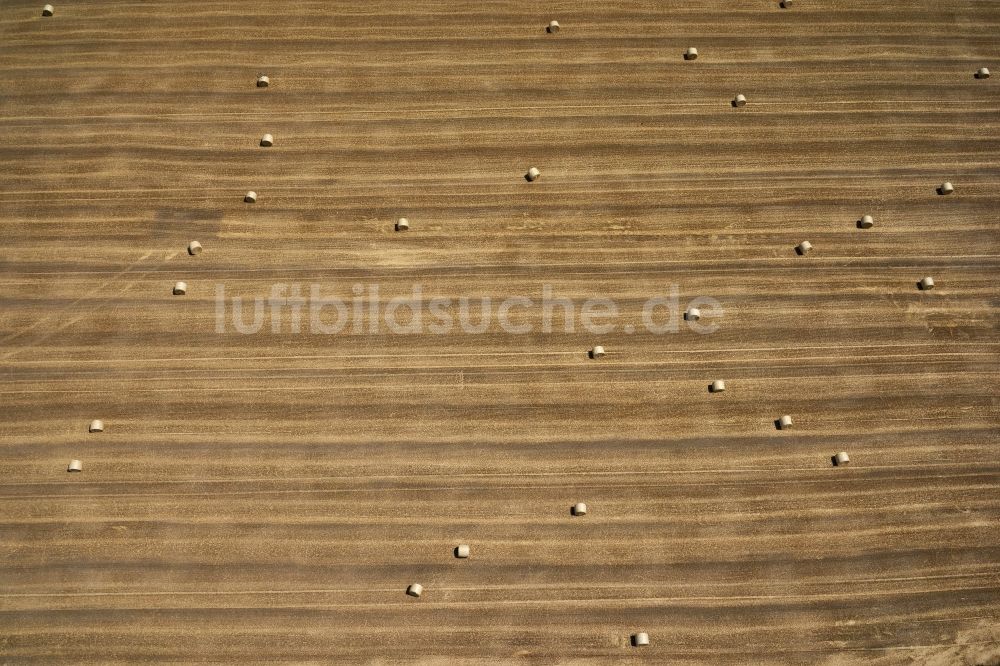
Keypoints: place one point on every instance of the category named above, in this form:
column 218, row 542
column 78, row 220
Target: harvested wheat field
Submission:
column 310, row 312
